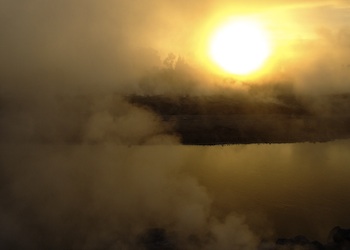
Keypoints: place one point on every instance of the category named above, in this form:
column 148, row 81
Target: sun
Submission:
column 240, row 46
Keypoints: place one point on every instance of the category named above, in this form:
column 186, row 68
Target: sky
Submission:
column 116, row 42
column 81, row 167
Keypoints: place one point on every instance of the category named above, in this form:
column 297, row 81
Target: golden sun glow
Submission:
column 240, row 47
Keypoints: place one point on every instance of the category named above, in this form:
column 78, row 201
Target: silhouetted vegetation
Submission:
column 242, row 119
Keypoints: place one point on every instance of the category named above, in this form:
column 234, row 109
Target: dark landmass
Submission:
column 338, row 239
column 245, row 119
column 256, row 117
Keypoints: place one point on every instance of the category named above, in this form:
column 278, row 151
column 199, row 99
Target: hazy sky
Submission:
column 112, row 42
column 67, row 182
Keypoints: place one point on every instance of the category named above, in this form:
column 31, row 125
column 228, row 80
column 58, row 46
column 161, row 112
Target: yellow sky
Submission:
column 102, row 39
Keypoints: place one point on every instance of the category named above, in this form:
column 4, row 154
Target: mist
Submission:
column 110, row 196
column 79, row 47
column 82, row 167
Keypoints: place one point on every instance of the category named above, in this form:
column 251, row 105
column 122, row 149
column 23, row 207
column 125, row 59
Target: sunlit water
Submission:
column 281, row 190
column 293, row 188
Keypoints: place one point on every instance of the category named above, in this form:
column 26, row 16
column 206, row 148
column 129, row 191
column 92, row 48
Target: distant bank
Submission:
column 244, row 119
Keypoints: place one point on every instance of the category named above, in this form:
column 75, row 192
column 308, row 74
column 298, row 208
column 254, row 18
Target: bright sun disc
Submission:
column 240, row 47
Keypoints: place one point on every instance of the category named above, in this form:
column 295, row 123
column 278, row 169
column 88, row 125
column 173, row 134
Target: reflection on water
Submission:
column 103, row 192
column 299, row 188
